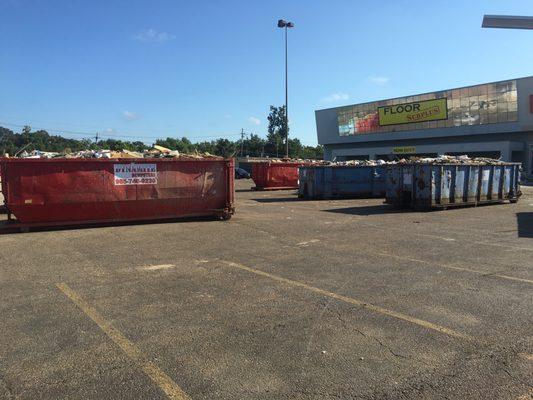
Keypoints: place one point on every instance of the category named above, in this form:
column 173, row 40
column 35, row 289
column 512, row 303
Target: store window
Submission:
column 476, row 105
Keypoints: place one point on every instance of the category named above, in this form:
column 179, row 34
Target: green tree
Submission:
column 254, row 146
column 277, row 131
column 225, row 148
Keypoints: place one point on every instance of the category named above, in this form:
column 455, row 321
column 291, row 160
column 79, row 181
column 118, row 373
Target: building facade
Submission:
column 489, row 120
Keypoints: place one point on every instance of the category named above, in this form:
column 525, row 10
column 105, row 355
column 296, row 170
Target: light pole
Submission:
column 507, row 22
column 285, row 24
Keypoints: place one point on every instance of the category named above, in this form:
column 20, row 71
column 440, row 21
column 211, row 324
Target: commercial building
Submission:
column 489, row 120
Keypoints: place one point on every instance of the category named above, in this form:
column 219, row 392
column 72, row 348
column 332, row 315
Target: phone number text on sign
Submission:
column 135, row 174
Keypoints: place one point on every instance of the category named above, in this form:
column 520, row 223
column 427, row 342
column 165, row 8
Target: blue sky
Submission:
column 139, row 70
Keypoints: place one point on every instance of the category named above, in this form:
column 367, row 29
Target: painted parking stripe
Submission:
column 156, row 267
column 307, row 243
column 350, row 300
column 473, row 271
column 165, row 383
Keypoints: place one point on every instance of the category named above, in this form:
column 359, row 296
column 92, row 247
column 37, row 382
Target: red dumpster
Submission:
column 61, row 191
column 275, row 175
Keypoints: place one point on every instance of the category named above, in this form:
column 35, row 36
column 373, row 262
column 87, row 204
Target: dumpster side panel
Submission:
column 461, row 184
column 329, row 182
column 511, row 185
column 275, row 175
column 283, row 176
column 308, row 178
column 422, row 184
column 393, row 187
column 473, row 184
column 484, row 184
column 348, row 182
column 96, row 190
column 379, row 177
column 497, row 183
column 506, row 182
column 259, row 174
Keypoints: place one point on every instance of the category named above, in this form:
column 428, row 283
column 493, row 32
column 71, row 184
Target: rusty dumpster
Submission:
column 429, row 186
column 275, row 175
column 73, row 191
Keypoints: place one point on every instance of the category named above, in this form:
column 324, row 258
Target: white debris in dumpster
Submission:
column 38, row 154
column 156, row 152
column 445, row 159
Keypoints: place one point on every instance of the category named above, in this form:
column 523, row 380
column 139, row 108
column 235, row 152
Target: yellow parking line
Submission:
column 474, row 271
column 156, row 267
column 368, row 306
column 165, row 383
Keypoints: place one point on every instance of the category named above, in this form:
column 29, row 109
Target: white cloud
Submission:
column 379, row 80
column 109, row 130
column 130, row 116
column 254, row 120
column 228, row 116
column 332, row 98
column 152, row 36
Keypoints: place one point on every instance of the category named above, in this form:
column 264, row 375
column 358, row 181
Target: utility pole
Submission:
column 242, row 140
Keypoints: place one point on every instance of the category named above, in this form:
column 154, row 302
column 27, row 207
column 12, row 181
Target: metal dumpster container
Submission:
column 337, row 182
column 62, row 191
column 426, row 186
column 275, row 175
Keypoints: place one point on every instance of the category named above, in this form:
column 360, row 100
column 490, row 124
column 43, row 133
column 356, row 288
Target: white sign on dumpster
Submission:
column 135, row 174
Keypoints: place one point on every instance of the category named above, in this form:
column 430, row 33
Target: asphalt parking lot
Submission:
column 290, row 299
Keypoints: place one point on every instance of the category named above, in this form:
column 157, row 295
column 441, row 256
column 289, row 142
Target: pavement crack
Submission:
column 389, row 348
column 515, row 378
column 378, row 341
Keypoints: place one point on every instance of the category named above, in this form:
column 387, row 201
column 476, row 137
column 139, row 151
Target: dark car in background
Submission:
column 241, row 173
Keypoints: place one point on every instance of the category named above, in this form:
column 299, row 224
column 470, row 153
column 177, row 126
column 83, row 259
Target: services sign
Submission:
column 404, row 150
column 135, row 174
column 418, row 111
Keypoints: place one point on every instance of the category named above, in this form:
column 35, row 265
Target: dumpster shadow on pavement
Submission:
column 524, row 221
column 369, row 210
column 7, row 228
column 277, row 199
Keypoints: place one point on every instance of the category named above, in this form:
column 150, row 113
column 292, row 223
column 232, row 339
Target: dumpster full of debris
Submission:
column 103, row 189
column 447, row 181
column 276, row 174
column 357, row 179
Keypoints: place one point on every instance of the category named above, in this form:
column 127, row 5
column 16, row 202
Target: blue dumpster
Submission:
column 426, row 186
column 341, row 181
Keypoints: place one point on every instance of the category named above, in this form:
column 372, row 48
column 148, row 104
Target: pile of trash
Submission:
column 155, row 152
column 457, row 160
column 292, row 160
column 444, row 159
column 358, row 163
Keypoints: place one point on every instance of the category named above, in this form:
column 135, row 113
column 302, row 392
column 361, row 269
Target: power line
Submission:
column 93, row 135
column 89, row 127
column 111, row 136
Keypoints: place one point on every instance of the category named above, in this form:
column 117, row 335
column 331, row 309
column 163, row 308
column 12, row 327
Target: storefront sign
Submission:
column 135, row 174
column 404, row 150
column 408, row 113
